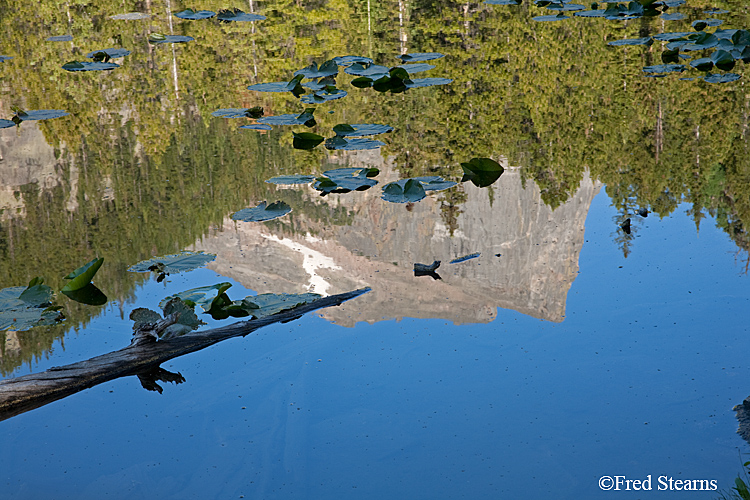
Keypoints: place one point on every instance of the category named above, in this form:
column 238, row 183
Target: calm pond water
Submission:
column 565, row 351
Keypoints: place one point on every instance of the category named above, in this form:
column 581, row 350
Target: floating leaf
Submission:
column 344, row 180
column 361, row 129
column 157, row 38
column 416, row 68
column 565, row 7
column 203, row 296
column 131, row 16
column 306, row 140
column 323, row 96
column 142, row 316
column 89, row 295
column 668, row 37
column 61, row 38
column 6, row 123
column 665, row 68
column 349, row 60
column 184, row 316
column 271, row 87
column 670, row 56
column 5, row 58
column 723, row 60
column 233, row 113
column 263, row 305
column 262, row 212
column 83, row 275
column 673, row 16
column 647, row 40
column 420, row 56
column 257, row 126
column 173, row 263
column 89, row 66
column 482, row 172
column 427, row 82
column 291, row 179
column 237, row 15
column 725, row 78
column 362, row 82
column 372, row 70
column 22, row 308
column 590, row 13
column 192, row 15
column 702, row 64
column 701, row 41
column 328, row 68
column 403, row 191
column 558, row 17
column 465, row 258
column 341, row 144
column 41, row 114
column 112, row 53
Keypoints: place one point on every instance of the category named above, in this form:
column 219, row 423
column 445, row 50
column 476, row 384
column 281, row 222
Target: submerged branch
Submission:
column 21, row 394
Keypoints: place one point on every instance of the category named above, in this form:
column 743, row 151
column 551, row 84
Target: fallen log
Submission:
column 141, row 358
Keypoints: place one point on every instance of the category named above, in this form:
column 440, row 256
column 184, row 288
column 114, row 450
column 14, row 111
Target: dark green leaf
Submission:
column 403, row 191
column 702, row 64
column 192, row 15
column 482, row 172
column 723, row 60
column 89, row 295
column 83, row 275
column 306, row 140
column 291, row 179
column 204, row 296
column 262, row 212
column 174, row 263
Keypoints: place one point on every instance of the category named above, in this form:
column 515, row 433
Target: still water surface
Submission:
column 567, row 351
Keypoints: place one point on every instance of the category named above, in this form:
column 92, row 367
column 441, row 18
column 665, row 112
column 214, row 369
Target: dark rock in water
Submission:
column 425, row 270
column 743, row 417
column 626, row 226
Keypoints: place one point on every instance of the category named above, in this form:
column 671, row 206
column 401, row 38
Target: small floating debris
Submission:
column 625, row 226
column 465, row 258
column 427, row 270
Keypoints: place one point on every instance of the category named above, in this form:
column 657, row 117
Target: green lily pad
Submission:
column 349, row 60
column 173, row 263
column 342, row 144
column 404, row 191
column 465, row 258
column 482, row 172
column 291, row 179
column 192, row 15
column 89, row 295
column 435, row 183
column 371, row 70
column 725, row 78
column 361, row 129
column 670, row 36
column 306, row 140
column 545, row 19
column 672, row 16
column 702, row 64
column 665, row 68
column 130, row 16
column 158, row 38
column 184, row 315
column 83, row 275
column 416, row 67
column 723, row 60
column 420, row 56
column 236, row 15
column 323, row 96
column 112, row 53
column 89, row 66
column 288, row 119
column 701, row 24
column 257, row 126
column 60, row 38
column 255, row 112
column 263, row 305
column 362, row 82
column 647, row 40
column 328, row 68
column 270, row 87
column 344, row 180
column 262, row 212
column 203, row 296
column 567, row 7
column 5, row 58
column 22, row 308
column 590, row 13
column 701, row 41
column 427, row 82
column 6, row 123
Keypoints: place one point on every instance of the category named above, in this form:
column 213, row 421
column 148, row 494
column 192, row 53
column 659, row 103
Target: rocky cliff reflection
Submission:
column 529, row 253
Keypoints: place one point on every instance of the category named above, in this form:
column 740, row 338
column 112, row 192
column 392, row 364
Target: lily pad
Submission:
column 725, row 78
column 420, row 56
column 545, row 19
column 323, row 96
column 169, row 38
column 342, row 144
column 262, row 212
column 566, row 7
column 701, row 41
column 89, row 295
column 404, row 191
column 257, row 126
column 130, row 16
column 236, row 15
column 647, row 40
column 112, row 53
column 6, row 123
column 304, row 118
column 22, row 308
column 306, row 140
column 702, row 64
column 482, row 172
column 235, row 112
column 291, row 179
column 203, row 296
column 361, row 129
column 435, row 183
column 262, row 305
column 349, row 60
column 465, row 258
column 192, row 15
column 38, row 114
column 173, row 263
column 590, row 13
column 701, row 24
column 60, row 38
column 672, row 16
column 723, row 60
column 89, row 66
column 83, row 275
column 5, row 58
column 665, row 68
column 371, row 70
column 328, row 68
column 416, row 68
column 344, row 180
column 668, row 37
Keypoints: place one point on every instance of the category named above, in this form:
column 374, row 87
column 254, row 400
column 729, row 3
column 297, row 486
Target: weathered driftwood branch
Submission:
column 21, row 394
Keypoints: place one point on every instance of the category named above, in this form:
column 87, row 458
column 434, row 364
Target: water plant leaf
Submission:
column 6, row 123
column 130, row 16
column 427, row 82
column 361, row 129
column 567, row 7
column 723, row 60
column 60, row 38
column 725, row 78
column 157, row 38
column 372, row 70
column 702, row 64
column 673, row 16
column 344, row 180
column 306, row 140
column 271, row 87
column 458, row 260
column 404, row 191
column 328, row 68
column 665, row 68
column 670, row 56
column 192, row 15
column 362, row 82
column 231, row 113
column 420, row 56
column 670, row 36
column 330, row 94
column 142, row 316
column 482, row 172
column 291, row 179
column 342, row 144
column 591, row 13
column 173, row 263
column 185, row 319
column 262, row 212
column 701, row 41
column 203, row 296
column 22, row 308
column 262, row 305
column 5, row 58
column 83, row 275
column 89, row 66
column 113, row 53
column 89, row 295
column 543, row 19
column 647, row 40
column 257, row 126
column 349, row 60
column 416, row 67
column 237, row 15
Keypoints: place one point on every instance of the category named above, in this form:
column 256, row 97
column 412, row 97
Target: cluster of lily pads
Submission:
column 731, row 45
column 20, row 115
